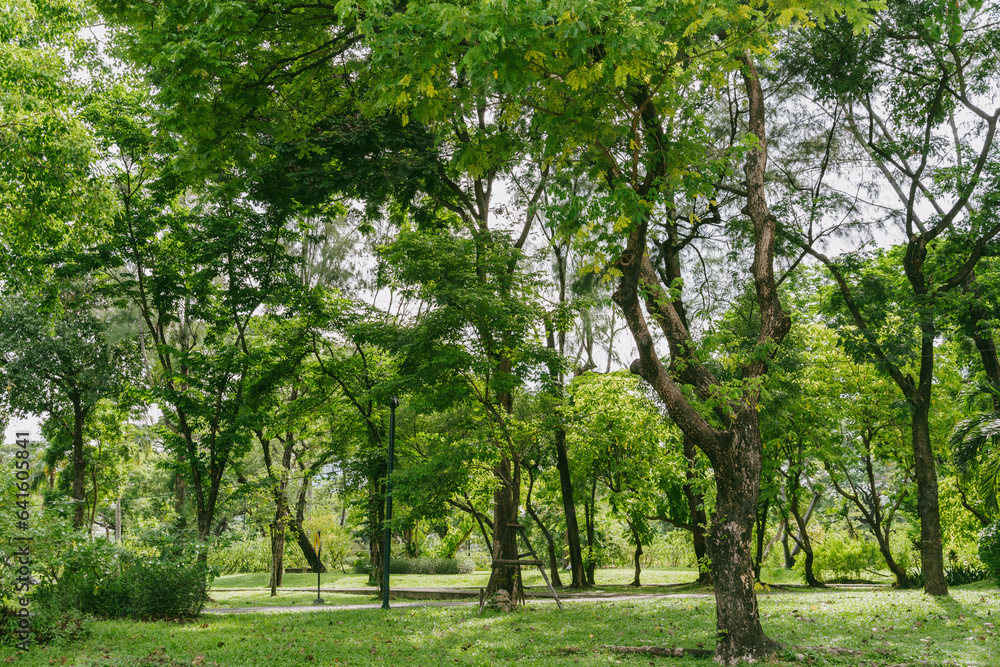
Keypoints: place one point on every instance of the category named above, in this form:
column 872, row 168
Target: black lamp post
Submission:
column 386, row 545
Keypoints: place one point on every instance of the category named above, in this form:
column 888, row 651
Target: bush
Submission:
column 104, row 580
column 58, row 626
column 989, row 549
column 842, row 556
column 242, row 554
column 361, row 565
column 419, row 566
column 252, row 553
column 966, row 573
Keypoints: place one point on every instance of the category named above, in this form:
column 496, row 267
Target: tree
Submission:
column 933, row 144
column 472, row 338
column 198, row 271
column 61, row 361
column 620, row 438
column 611, row 90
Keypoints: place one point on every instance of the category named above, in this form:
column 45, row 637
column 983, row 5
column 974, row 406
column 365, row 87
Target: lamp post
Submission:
column 386, row 545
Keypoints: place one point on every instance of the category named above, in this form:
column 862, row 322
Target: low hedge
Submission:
column 420, row 566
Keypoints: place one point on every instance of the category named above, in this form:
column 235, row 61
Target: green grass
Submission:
column 883, row 627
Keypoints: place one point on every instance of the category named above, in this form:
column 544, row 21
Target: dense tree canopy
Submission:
column 289, row 217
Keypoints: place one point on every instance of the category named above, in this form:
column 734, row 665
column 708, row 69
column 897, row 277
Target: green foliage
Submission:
column 989, row 549
column 959, row 575
column 419, row 566
column 975, row 442
column 48, row 195
column 844, row 557
column 670, row 549
column 162, row 580
column 49, row 625
column 252, row 553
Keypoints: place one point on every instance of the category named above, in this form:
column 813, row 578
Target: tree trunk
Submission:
column 300, row 533
column 569, row 508
column 737, row 475
column 902, row 579
column 553, row 557
column 376, row 523
column 760, row 525
column 589, row 510
column 931, row 551
column 277, row 552
column 562, row 460
column 506, row 501
column 549, row 541
column 696, row 507
column 805, row 543
column 789, row 557
column 979, row 328
column 79, row 466
column 637, row 558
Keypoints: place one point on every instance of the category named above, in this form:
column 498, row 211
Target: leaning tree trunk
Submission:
column 302, row 537
column 902, row 579
column 805, row 543
column 549, row 541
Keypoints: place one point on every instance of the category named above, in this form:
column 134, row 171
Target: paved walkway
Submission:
column 436, row 594
column 395, row 604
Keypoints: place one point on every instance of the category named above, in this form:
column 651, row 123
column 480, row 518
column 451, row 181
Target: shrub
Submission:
column 104, row 580
column 966, row 573
column 362, row 565
column 989, row 549
column 843, row 556
column 57, row 626
column 431, row 566
column 419, row 566
column 242, row 554
column 252, row 553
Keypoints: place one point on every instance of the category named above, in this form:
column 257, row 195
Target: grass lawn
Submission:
column 882, row 628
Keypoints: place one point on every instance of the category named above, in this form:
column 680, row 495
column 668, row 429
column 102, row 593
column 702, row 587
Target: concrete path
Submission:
column 395, row 604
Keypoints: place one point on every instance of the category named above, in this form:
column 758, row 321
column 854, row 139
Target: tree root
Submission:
column 676, row 652
column 680, row 652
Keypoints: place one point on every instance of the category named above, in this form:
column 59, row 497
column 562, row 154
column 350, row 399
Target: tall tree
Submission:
column 621, row 439
column 611, row 89
column 198, row 270
column 474, row 337
column 61, row 361
column 913, row 95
